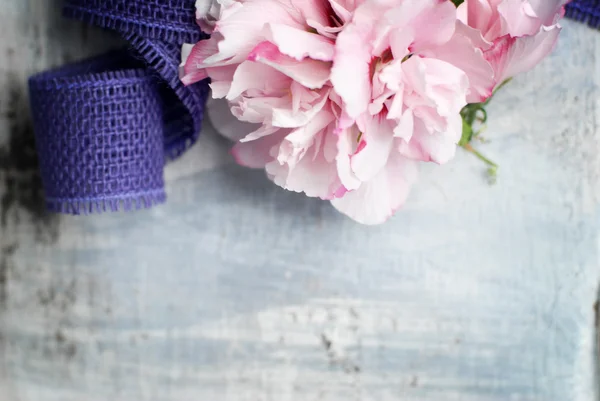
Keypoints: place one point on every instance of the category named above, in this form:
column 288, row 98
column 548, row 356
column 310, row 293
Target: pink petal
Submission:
column 203, row 8
column 221, row 78
column 343, row 9
column 462, row 52
column 437, row 147
column 479, row 14
column 377, row 200
column 529, row 51
column 400, row 42
column 406, row 126
column 199, row 53
column 262, row 131
column 209, row 11
column 220, row 89
column 258, row 109
column 256, row 154
column 242, row 29
column 377, row 139
column 434, row 25
column 194, row 69
column 439, row 89
column 519, row 18
column 298, row 43
column 303, row 135
column 309, row 9
column 316, row 177
column 313, row 74
column 350, row 74
column 346, row 147
column 511, row 56
column 251, row 75
column 302, row 164
column 323, row 30
column 288, row 118
column 548, row 11
column 193, row 77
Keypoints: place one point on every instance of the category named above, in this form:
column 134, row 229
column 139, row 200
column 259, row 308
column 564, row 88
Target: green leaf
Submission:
column 458, row 2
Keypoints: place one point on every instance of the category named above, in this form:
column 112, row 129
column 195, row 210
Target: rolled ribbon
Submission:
column 105, row 127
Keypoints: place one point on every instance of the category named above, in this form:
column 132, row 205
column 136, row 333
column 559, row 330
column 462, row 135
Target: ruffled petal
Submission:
column 299, row 44
column 377, row 200
column 311, row 73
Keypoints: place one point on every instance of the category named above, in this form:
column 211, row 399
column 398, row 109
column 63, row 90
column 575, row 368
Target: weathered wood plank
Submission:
column 237, row 290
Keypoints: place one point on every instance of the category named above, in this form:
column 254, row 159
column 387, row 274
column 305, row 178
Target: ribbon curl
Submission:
column 106, row 126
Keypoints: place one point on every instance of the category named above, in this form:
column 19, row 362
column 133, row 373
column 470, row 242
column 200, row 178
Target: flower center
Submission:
column 377, row 63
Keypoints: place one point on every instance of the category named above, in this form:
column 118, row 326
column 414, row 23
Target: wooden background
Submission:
column 236, row 290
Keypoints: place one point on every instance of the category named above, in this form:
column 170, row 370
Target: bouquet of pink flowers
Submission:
column 342, row 99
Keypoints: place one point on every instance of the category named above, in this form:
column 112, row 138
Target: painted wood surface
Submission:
column 236, row 290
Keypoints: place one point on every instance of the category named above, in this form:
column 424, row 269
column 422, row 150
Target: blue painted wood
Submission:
column 237, row 290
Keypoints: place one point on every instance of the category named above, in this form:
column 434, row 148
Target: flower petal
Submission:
column 302, row 164
column 251, row 75
column 242, row 28
column 377, row 200
column 350, row 74
column 289, row 118
column 193, row 68
column 432, row 21
column 346, row 147
column 313, row 74
column 463, row 53
column 256, row 154
column 374, row 149
column 427, row 146
column 511, row 56
column 226, row 123
column 298, row 43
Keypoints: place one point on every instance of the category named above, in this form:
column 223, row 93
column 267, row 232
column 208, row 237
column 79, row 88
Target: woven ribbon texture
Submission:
column 587, row 11
column 105, row 127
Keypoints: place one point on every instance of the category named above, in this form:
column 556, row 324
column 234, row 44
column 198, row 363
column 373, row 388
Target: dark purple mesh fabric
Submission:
column 587, row 11
column 99, row 134
column 105, row 127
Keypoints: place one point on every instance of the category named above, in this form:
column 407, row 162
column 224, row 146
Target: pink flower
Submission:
column 208, row 12
column 341, row 99
column 268, row 61
column 515, row 35
column 346, row 96
column 401, row 102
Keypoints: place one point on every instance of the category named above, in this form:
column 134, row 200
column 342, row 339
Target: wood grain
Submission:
column 237, row 290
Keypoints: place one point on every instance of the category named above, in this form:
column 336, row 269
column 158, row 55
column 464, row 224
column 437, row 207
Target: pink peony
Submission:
column 341, row 99
column 267, row 60
column 515, row 35
column 401, row 103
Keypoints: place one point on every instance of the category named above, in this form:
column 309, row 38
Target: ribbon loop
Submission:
column 105, row 127
column 171, row 21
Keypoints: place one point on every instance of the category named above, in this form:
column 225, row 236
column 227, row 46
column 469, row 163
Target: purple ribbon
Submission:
column 586, row 11
column 105, row 127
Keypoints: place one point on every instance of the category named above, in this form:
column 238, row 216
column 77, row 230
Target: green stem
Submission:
column 472, row 113
column 480, row 156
